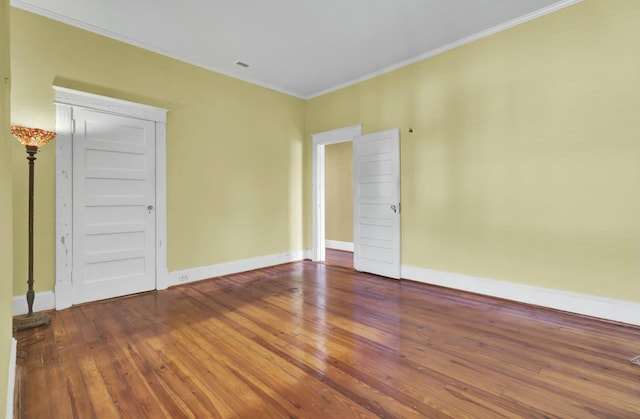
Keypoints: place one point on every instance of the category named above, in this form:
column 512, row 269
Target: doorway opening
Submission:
column 320, row 140
column 339, row 197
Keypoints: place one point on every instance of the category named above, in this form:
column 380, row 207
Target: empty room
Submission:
column 331, row 209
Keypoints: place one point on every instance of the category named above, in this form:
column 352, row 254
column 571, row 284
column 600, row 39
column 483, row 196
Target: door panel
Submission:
column 376, row 203
column 113, row 205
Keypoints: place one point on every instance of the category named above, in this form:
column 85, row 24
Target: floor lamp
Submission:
column 32, row 139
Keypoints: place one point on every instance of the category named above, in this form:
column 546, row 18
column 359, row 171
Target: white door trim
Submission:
column 319, row 140
column 65, row 100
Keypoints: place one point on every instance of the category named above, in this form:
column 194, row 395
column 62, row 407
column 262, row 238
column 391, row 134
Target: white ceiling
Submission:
column 299, row 47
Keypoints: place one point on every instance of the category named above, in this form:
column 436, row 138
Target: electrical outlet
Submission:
column 183, row 278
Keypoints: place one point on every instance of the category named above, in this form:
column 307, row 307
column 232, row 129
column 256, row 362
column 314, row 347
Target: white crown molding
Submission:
column 589, row 305
column 154, row 48
column 467, row 40
column 185, row 276
column 18, row 4
column 45, row 300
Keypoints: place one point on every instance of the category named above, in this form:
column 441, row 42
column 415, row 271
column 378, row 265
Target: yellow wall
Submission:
column 339, row 192
column 6, row 248
column 234, row 149
column 524, row 163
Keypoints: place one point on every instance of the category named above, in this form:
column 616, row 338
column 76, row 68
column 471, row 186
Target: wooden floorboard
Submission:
column 319, row 340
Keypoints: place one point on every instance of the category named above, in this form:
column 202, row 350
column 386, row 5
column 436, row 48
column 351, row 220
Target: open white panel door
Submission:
column 376, row 203
column 113, row 205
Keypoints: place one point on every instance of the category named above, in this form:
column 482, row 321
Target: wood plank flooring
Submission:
column 307, row 340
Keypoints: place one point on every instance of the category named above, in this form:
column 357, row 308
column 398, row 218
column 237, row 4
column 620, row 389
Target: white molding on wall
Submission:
column 45, row 300
column 469, row 39
column 11, row 385
column 110, row 105
column 339, row 245
column 319, row 141
column 162, row 270
column 64, row 212
column 28, row 7
column 20, row 4
column 185, row 276
column 307, row 254
column 589, row 305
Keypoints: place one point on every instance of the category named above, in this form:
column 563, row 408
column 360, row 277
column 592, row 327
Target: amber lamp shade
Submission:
column 32, row 139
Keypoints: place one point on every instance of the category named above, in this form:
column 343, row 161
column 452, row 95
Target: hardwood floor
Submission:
column 307, row 340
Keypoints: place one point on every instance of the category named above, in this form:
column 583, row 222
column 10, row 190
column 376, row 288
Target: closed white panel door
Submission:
column 113, row 206
column 376, row 203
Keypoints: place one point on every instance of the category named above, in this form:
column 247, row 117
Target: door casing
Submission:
column 319, row 141
column 65, row 100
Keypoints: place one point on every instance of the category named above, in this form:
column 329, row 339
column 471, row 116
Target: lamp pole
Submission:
column 32, row 139
column 31, row 151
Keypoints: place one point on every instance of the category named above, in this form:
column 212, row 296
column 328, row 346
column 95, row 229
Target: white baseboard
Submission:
column 307, row 254
column 12, row 378
column 45, row 300
column 204, row 272
column 162, row 282
column 63, row 295
column 589, row 305
column 339, row 245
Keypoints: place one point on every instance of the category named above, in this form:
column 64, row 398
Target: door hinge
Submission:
column 73, row 126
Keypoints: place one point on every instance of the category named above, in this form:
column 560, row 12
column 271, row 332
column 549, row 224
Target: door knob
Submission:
column 394, row 208
column 150, row 208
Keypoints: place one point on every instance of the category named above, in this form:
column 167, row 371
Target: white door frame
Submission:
column 65, row 100
column 319, row 140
